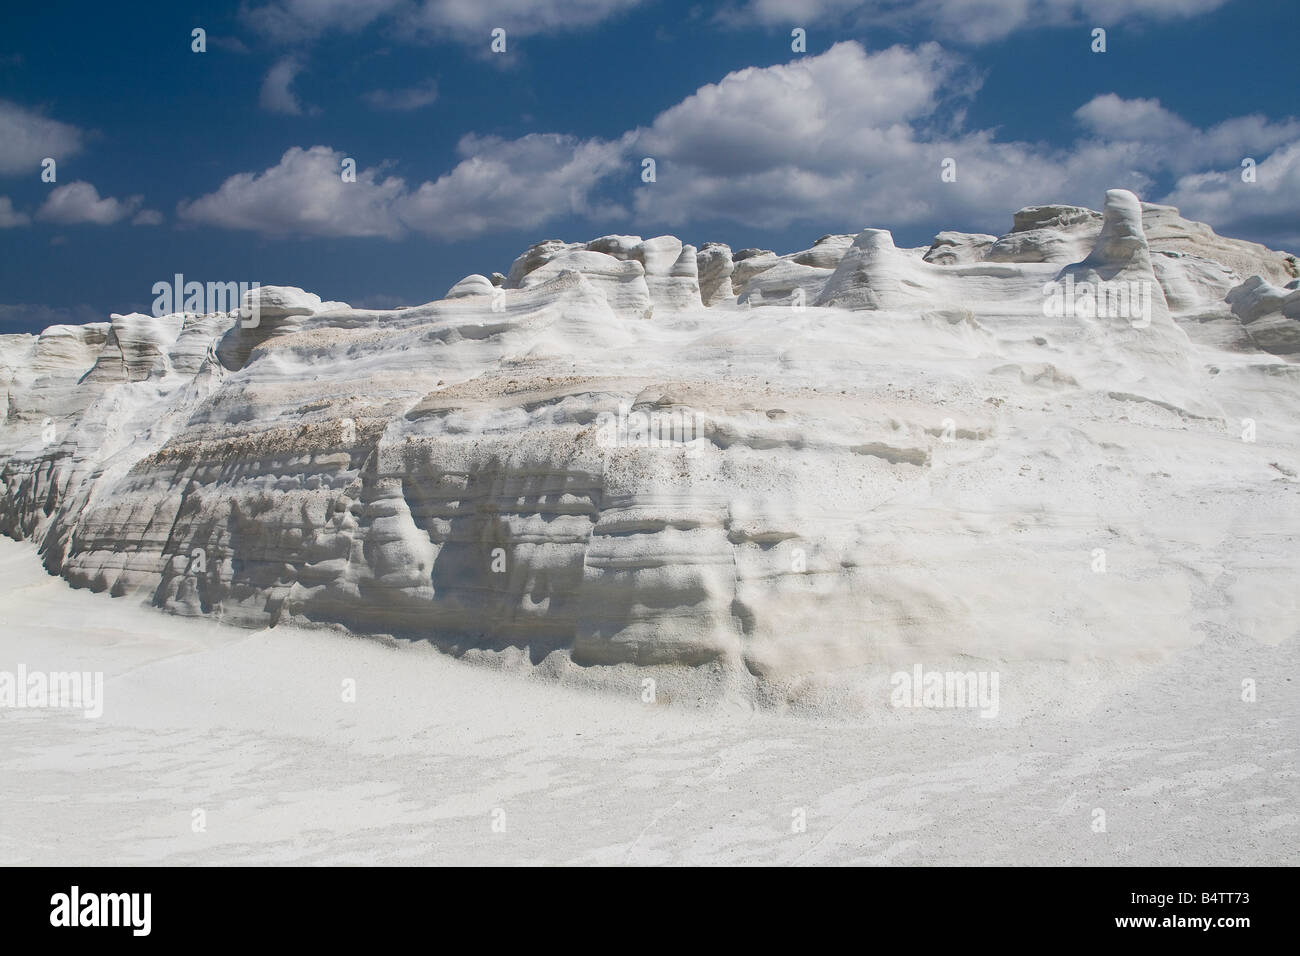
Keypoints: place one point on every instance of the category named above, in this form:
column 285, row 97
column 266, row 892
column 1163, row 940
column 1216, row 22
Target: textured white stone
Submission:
column 714, row 264
column 470, row 285
column 921, row 456
column 1270, row 314
column 953, row 248
column 621, row 282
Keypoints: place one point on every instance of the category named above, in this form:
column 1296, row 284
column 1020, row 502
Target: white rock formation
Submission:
column 959, row 248
column 1047, row 234
column 628, row 452
column 714, row 265
column 470, row 285
column 621, row 282
column 1271, row 315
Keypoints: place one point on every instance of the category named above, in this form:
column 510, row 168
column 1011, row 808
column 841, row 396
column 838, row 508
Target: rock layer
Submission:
column 629, row 452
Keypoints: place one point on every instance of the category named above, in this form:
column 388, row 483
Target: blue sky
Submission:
column 224, row 165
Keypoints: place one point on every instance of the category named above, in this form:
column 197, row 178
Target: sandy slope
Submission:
column 251, row 727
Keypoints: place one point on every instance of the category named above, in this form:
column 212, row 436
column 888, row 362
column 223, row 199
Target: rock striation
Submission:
column 634, row 452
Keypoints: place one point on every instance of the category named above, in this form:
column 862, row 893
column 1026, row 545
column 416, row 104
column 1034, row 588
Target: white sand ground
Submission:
column 250, row 727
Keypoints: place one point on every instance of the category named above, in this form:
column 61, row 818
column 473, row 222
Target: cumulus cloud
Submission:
column 10, row 217
column 1169, row 140
column 470, row 21
column 964, row 21
column 304, row 195
column 26, row 138
column 498, row 184
column 411, row 98
column 857, row 139
column 841, row 140
column 147, row 217
column 277, row 95
column 514, row 184
column 80, row 202
column 845, row 136
column 1116, row 118
column 1267, row 209
column 799, row 113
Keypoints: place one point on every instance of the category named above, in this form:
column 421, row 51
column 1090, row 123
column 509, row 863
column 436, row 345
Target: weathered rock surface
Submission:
column 629, row 451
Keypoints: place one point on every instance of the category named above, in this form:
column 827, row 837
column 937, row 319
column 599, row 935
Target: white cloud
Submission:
column 846, row 136
column 514, row 184
column 497, row 185
column 79, row 202
column 821, row 112
column 1267, row 209
column 277, row 96
column 854, row 139
column 468, row 21
column 303, row 194
column 411, row 98
column 10, row 217
column 147, row 217
column 27, row 137
column 472, row 21
column 1116, row 118
column 963, row 21
column 1167, row 140
column 840, row 140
